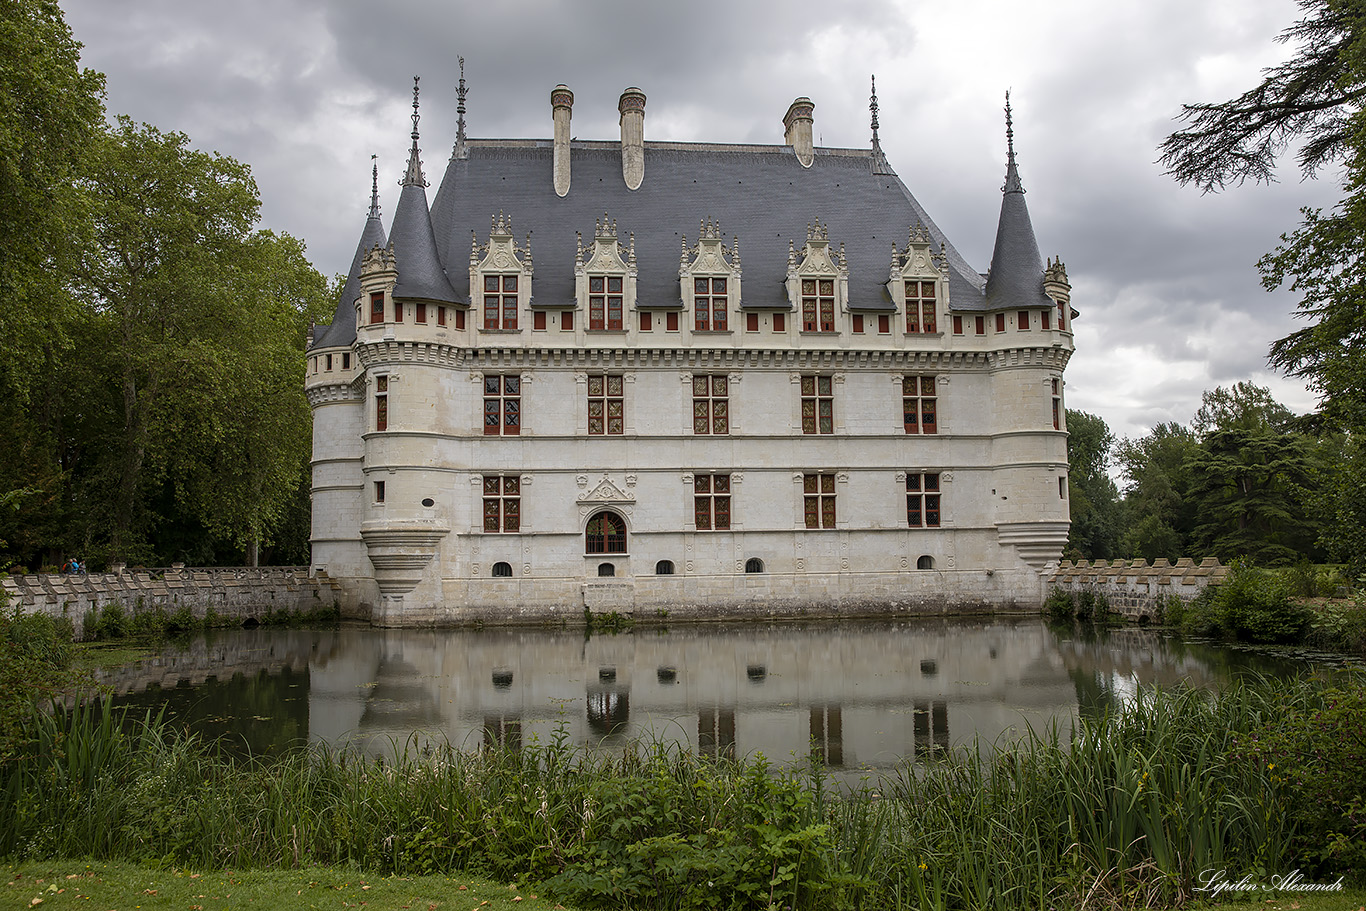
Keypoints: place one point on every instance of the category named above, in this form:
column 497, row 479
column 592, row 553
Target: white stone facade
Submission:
column 506, row 407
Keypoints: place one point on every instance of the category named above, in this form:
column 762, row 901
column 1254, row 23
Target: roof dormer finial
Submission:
column 1013, row 184
column 413, row 176
column 374, row 186
column 880, row 165
column 461, row 91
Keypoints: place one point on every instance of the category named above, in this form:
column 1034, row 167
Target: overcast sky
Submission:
column 1164, row 278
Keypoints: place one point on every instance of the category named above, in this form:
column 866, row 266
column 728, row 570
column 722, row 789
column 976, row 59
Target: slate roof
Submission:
column 1016, row 276
column 759, row 193
column 420, row 276
column 342, row 332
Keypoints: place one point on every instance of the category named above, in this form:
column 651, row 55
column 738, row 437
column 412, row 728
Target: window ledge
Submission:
column 622, row 331
column 501, row 331
column 714, row 331
column 819, row 332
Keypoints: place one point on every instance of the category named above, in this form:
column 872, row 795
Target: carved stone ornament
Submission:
column 607, row 492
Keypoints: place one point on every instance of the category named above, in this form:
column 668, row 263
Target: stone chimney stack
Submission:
column 797, row 124
column 632, row 109
column 562, row 108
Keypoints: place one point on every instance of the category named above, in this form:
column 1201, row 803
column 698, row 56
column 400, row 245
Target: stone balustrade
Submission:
column 238, row 592
column 1134, row 588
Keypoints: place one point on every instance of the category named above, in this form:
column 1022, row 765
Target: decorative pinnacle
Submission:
column 1013, row 184
column 374, row 186
column 413, row 176
column 872, row 107
column 460, row 93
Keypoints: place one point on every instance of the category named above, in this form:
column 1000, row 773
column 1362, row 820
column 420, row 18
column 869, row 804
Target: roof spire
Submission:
column 1013, row 184
column 374, row 186
column 460, row 151
column 880, row 165
column 413, row 176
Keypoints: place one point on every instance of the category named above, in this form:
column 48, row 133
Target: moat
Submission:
column 867, row 695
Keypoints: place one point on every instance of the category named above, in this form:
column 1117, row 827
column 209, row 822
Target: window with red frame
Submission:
column 710, row 404
column 922, row 499
column 818, row 305
column 709, row 304
column 604, row 301
column 711, row 502
column 500, row 301
column 818, row 404
column 606, row 405
column 502, row 503
column 921, row 308
column 918, row 404
column 502, row 405
column 381, row 403
column 818, row 500
column 377, row 307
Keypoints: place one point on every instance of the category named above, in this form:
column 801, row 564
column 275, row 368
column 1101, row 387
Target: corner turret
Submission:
column 420, row 276
column 1015, row 279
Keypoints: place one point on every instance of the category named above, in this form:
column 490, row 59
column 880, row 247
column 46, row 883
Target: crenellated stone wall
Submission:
column 1135, row 589
column 239, row 592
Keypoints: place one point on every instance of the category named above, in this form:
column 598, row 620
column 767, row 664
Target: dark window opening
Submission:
column 754, row 565
column 664, row 568
column 502, row 570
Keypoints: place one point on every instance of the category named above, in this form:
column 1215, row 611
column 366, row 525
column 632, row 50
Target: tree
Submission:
column 191, row 346
column 1251, row 488
column 51, row 111
column 1094, row 499
column 1316, row 98
column 1313, row 97
column 1242, row 406
column 1159, row 515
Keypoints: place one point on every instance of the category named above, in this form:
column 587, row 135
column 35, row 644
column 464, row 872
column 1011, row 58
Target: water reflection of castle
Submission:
column 858, row 695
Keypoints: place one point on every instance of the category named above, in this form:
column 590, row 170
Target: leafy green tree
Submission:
column 1242, row 406
column 1338, row 500
column 1251, row 488
column 191, row 347
column 51, row 111
column 1314, row 99
column 1158, row 512
column 1094, row 499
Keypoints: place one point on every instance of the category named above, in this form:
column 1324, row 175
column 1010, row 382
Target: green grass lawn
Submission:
column 100, row 886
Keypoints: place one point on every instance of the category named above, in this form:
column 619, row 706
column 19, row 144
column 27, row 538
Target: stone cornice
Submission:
column 392, row 352
column 334, row 393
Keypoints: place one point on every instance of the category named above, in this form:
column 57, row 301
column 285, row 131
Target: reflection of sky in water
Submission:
column 857, row 695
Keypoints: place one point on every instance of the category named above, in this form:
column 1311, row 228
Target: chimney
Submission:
column 632, row 109
column 797, row 124
column 562, row 107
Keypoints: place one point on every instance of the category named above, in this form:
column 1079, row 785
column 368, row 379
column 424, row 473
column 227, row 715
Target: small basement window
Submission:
column 664, row 568
column 754, row 565
column 502, row 570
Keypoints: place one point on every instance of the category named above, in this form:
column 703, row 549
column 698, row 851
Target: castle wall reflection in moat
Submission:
column 861, row 695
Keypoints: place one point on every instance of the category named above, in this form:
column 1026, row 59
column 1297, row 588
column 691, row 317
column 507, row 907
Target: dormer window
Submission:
column 605, row 278
column 500, row 301
column 818, row 280
column 818, row 305
column 710, row 304
column 604, row 301
column 500, row 277
column 709, row 272
column 921, row 307
column 919, row 275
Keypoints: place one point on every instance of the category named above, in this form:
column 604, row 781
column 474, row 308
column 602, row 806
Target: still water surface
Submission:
column 862, row 695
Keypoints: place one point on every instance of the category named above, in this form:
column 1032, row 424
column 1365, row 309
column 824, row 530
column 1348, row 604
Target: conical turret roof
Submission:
column 420, row 276
column 342, row 332
column 1015, row 279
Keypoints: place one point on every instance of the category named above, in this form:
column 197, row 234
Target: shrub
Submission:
column 35, row 661
column 1058, row 605
column 1250, row 604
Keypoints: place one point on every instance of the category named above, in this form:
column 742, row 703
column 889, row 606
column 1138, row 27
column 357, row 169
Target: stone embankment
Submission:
column 1134, row 588
column 238, row 592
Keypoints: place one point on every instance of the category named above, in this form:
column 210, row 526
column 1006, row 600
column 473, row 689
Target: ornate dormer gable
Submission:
column 919, row 279
column 817, row 280
column 605, row 276
column 607, row 491
column 1056, row 286
column 709, row 278
column 378, row 275
column 500, row 277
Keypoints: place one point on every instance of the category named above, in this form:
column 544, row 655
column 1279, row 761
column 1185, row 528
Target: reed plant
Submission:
column 1127, row 810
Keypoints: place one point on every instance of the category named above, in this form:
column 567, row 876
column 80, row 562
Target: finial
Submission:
column 460, row 151
column 872, row 107
column 1013, row 184
column 374, row 186
column 413, row 176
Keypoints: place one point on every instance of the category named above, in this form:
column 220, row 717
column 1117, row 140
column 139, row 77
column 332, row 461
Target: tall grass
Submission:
column 1126, row 810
